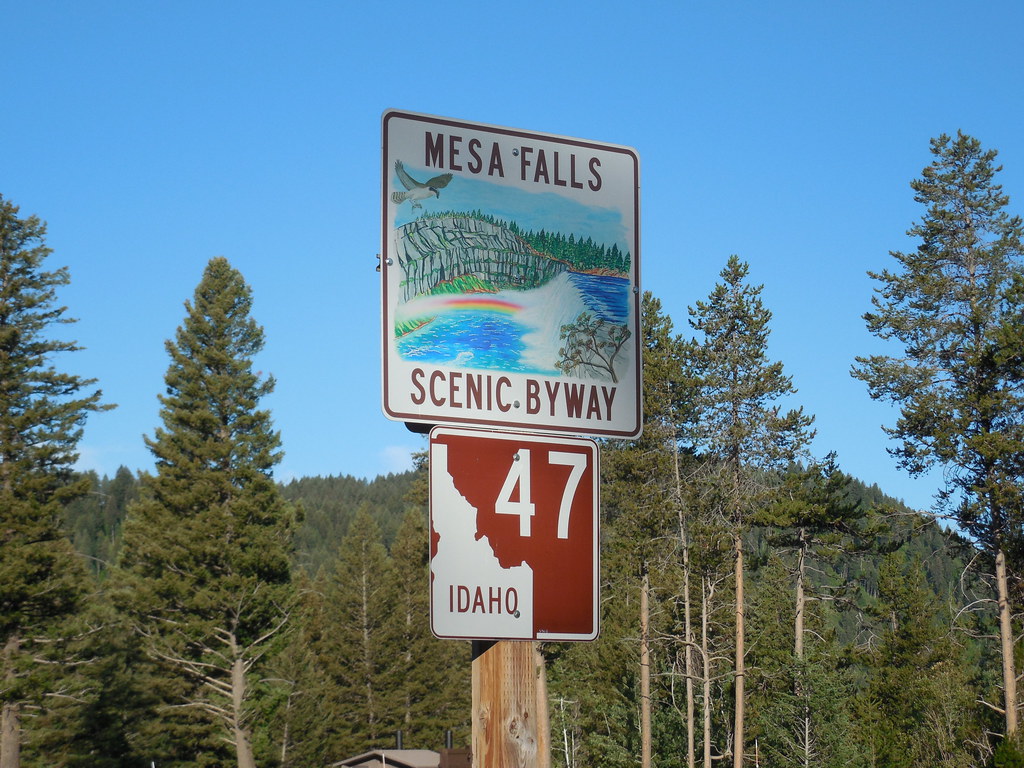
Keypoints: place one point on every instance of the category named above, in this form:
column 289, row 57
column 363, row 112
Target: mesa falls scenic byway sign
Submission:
column 514, row 536
column 510, row 278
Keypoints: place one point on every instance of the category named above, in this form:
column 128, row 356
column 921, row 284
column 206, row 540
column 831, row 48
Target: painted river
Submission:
column 514, row 331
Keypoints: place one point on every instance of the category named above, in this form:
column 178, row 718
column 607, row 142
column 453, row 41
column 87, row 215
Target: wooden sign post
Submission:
column 510, row 722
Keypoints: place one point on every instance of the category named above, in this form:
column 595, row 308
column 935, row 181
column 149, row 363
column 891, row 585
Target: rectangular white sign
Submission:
column 510, row 278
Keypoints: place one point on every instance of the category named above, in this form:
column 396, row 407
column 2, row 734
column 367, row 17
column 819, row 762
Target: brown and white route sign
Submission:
column 513, row 536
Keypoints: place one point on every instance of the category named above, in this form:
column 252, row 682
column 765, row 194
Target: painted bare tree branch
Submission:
column 591, row 346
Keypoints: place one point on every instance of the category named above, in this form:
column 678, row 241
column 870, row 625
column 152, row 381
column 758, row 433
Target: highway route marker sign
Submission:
column 514, row 522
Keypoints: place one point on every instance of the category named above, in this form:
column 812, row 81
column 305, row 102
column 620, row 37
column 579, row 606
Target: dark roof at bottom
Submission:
column 394, row 758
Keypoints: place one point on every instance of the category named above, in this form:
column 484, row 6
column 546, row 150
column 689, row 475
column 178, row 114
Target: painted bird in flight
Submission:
column 416, row 191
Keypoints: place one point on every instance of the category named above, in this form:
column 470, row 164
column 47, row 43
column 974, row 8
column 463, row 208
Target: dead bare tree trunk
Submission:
column 688, row 655
column 568, row 732
column 798, row 624
column 287, row 729
column 10, row 737
column 645, row 671
column 798, row 644
column 740, row 666
column 1006, row 645
column 10, row 717
column 707, row 592
column 684, row 544
column 243, row 747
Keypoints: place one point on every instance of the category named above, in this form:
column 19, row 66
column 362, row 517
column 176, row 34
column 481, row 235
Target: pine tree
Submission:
column 42, row 412
column 642, row 491
column 353, row 651
column 918, row 698
column 206, row 545
column 429, row 677
column 773, row 704
column 105, row 702
column 737, row 425
column 302, row 705
column 295, row 707
column 951, row 306
column 815, row 521
column 798, row 703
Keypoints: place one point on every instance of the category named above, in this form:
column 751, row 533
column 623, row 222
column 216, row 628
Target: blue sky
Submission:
column 154, row 136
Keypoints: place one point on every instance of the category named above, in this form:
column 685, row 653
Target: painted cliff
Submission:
column 432, row 251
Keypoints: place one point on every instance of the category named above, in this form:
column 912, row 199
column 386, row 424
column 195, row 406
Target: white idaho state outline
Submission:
column 462, row 559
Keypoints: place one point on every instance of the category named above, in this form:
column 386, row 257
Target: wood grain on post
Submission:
column 507, row 716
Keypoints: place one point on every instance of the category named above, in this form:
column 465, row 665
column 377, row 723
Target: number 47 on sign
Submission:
column 520, row 474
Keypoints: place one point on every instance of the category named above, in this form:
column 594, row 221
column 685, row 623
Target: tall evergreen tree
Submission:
column 295, row 707
column 816, row 518
column 206, row 546
column 430, row 677
column 642, row 488
column 798, row 701
column 950, row 305
column 918, row 701
column 816, row 521
column 42, row 412
column 737, row 424
column 353, row 650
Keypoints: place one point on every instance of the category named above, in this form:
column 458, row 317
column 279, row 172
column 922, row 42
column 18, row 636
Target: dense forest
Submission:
column 759, row 606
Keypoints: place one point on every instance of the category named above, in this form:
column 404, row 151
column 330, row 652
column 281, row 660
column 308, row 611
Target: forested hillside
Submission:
column 329, row 504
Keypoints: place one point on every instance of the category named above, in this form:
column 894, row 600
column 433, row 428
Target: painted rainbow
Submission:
column 478, row 303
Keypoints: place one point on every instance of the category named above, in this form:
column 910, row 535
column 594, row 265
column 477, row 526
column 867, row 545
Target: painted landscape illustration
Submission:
column 482, row 289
